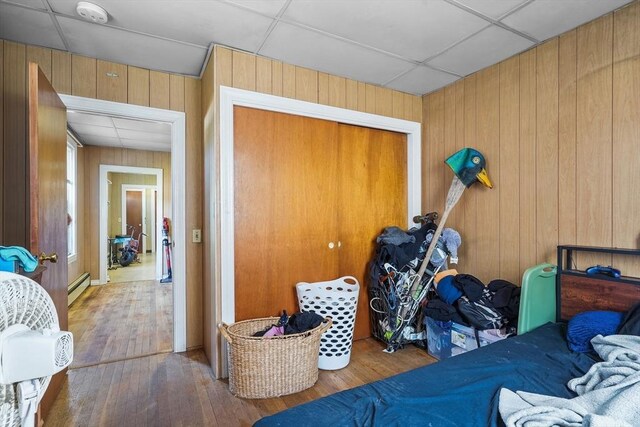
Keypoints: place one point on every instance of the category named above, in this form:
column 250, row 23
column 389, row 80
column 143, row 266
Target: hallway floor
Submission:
column 121, row 320
column 143, row 270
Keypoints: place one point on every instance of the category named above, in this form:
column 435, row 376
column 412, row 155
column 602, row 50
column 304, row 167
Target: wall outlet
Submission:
column 197, row 236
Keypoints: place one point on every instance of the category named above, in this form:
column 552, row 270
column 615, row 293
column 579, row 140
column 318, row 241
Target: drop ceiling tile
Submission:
column 310, row 49
column 412, row 29
column 271, row 7
column 492, row 8
column 99, row 41
column 143, row 136
column 144, row 145
column 35, row 4
column 101, row 141
column 193, row 21
column 87, row 130
column 422, row 80
column 28, row 26
column 488, row 47
column 143, row 126
column 74, row 117
column 543, row 19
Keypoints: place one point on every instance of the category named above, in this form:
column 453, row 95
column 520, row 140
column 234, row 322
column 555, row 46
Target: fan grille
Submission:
column 64, row 351
column 23, row 301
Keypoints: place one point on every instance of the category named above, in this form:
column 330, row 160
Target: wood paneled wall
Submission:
column 245, row 71
column 83, row 76
column 560, row 128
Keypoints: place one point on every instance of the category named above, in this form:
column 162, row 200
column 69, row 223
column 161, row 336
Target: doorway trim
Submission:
column 145, row 189
column 178, row 201
column 231, row 97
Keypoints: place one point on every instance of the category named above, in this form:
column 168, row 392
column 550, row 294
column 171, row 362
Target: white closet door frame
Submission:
column 224, row 309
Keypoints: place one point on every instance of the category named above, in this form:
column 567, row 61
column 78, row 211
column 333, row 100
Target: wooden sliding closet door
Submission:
column 372, row 195
column 286, row 180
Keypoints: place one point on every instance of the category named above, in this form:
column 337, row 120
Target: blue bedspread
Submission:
column 459, row 391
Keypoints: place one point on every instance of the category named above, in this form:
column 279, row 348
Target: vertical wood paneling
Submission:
column 408, row 107
column 568, row 126
column 488, row 201
column 159, row 90
column 306, row 84
column 435, row 149
column 459, row 225
column 288, row 80
column 416, row 102
column 384, row 101
column 567, row 139
column 323, row 88
column 352, row 94
column 362, row 96
column 467, row 253
column 138, row 86
column 424, row 153
column 83, row 76
column 527, row 159
column 15, row 171
column 547, row 151
column 449, row 143
column 244, row 70
column 626, row 135
column 176, row 92
column 111, row 81
column 61, row 71
column 263, row 75
column 398, row 105
column 42, row 57
column 337, row 91
column 276, row 77
column 594, row 135
column 509, row 243
column 370, row 99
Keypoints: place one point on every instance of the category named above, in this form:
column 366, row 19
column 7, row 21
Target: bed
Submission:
column 463, row 390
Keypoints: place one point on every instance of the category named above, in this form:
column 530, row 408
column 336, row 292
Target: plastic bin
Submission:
column 438, row 338
column 337, row 299
column 463, row 339
column 490, row 336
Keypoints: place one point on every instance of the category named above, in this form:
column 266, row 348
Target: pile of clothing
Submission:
column 464, row 299
column 294, row 324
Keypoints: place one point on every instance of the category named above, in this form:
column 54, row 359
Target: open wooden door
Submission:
column 48, row 198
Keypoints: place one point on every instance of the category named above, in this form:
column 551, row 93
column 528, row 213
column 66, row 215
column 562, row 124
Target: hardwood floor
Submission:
column 143, row 270
column 121, row 320
column 177, row 389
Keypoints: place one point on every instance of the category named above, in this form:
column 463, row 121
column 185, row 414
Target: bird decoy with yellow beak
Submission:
column 469, row 165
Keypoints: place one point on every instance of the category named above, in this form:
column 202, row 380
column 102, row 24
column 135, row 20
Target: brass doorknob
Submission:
column 52, row 257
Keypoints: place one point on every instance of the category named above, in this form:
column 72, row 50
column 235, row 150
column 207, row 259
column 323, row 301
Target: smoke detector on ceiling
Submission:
column 92, row 12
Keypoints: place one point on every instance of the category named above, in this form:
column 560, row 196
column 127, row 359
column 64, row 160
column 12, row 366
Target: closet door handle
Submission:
column 331, row 245
column 339, row 243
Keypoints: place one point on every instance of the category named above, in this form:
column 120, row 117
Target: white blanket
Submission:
column 608, row 395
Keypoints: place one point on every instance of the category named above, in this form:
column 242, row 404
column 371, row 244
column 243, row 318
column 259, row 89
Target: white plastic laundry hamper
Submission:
column 337, row 299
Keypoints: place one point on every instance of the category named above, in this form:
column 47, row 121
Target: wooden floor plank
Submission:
column 178, row 389
column 118, row 321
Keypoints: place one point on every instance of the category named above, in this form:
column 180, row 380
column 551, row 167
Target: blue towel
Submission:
column 16, row 253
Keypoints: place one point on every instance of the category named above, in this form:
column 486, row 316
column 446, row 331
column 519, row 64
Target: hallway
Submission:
column 121, row 321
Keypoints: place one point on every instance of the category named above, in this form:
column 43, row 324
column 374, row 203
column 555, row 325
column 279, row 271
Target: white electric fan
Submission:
column 32, row 348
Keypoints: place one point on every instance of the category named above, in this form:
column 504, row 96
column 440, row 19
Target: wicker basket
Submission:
column 270, row 367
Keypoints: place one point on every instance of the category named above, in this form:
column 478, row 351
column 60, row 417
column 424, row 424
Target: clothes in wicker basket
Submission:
column 297, row 323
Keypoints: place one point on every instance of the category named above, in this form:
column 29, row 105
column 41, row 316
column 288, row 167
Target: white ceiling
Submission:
column 415, row 46
column 107, row 131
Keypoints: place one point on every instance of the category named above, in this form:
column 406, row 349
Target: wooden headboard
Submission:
column 576, row 292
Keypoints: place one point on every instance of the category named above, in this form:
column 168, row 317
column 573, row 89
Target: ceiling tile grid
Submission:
column 107, row 131
column 408, row 45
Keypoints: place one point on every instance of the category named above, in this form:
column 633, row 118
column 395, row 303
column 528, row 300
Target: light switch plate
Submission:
column 197, row 236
